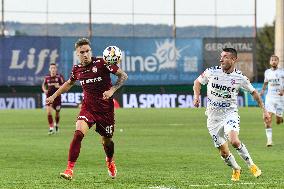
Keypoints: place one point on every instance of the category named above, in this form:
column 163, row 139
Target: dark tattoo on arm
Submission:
column 122, row 77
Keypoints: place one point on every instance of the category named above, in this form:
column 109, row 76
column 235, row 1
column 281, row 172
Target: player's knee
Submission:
column 224, row 154
column 235, row 143
column 279, row 121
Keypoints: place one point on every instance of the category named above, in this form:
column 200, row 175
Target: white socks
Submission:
column 231, row 161
column 243, row 152
column 268, row 132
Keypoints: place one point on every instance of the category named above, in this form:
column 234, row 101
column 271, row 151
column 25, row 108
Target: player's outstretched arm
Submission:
column 196, row 90
column 64, row 88
column 121, row 78
column 258, row 99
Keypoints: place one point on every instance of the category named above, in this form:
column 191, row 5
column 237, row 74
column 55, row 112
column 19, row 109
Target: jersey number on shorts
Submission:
column 109, row 129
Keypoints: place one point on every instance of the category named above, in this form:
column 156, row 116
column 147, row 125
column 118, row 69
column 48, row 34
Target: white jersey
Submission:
column 274, row 78
column 222, row 90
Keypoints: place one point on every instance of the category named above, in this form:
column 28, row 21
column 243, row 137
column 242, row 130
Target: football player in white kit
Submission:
column 273, row 78
column 223, row 85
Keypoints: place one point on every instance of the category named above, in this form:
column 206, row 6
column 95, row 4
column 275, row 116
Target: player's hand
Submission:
column 281, row 93
column 196, row 102
column 45, row 91
column 107, row 94
column 261, row 93
column 49, row 100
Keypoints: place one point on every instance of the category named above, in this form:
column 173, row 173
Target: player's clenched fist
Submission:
column 196, row 102
column 107, row 94
column 49, row 100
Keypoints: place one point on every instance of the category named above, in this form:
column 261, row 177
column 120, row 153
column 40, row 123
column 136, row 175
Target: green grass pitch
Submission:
column 154, row 148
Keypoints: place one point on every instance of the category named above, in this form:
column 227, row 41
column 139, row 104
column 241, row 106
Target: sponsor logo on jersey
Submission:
column 95, row 69
column 92, row 80
column 219, row 104
column 223, row 87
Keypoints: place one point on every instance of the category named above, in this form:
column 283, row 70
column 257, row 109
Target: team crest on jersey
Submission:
column 109, row 68
column 95, row 69
column 56, row 79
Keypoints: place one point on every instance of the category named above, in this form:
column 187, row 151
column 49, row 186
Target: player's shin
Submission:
column 74, row 149
column 109, row 149
column 231, row 161
column 50, row 121
column 243, row 152
column 57, row 117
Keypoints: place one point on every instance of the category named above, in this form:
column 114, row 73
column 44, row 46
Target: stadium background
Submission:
column 162, row 147
column 161, row 68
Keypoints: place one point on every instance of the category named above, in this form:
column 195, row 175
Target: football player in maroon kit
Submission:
column 97, row 106
column 50, row 84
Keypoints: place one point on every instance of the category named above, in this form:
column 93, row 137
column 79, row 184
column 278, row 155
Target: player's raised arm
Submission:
column 121, row 78
column 196, row 90
column 64, row 88
column 258, row 99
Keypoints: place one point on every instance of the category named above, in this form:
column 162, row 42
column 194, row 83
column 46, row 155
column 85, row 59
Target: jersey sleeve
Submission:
column 282, row 79
column 112, row 68
column 204, row 77
column 265, row 76
column 73, row 75
column 246, row 85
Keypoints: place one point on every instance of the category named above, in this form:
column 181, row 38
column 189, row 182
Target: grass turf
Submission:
column 154, row 148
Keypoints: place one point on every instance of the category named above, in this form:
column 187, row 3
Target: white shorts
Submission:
column 219, row 128
column 274, row 105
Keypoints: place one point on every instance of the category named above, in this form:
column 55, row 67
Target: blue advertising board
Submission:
column 147, row 61
column 25, row 60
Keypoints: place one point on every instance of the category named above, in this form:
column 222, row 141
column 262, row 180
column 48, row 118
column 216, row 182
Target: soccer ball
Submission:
column 112, row 55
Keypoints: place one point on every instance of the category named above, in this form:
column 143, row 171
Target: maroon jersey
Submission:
column 95, row 80
column 53, row 83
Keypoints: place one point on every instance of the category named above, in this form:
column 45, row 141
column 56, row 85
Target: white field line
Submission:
column 160, row 187
column 175, row 124
column 233, row 184
column 212, row 185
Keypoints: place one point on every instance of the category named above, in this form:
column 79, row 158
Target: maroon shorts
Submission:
column 104, row 121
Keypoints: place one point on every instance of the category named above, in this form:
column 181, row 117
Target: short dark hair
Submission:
column 82, row 41
column 231, row 50
column 275, row 56
column 52, row 64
